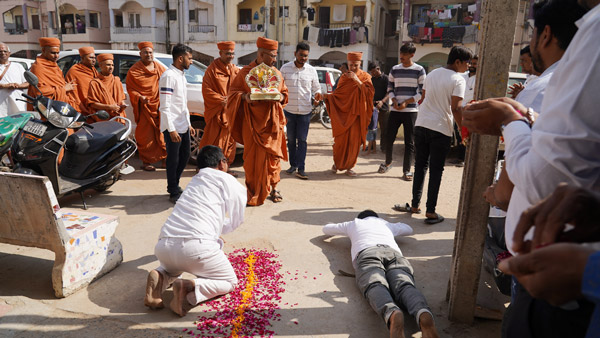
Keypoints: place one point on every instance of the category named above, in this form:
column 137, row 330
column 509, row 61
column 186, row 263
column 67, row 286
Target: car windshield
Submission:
column 193, row 75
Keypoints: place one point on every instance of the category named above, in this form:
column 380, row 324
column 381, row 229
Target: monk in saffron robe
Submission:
column 142, row 86
column 106, row 91
column 52, row 84
column 215, row 85
column 258, row 125
column 350, row 107
column 81, row 74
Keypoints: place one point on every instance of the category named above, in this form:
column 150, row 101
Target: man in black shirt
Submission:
column 380, row 99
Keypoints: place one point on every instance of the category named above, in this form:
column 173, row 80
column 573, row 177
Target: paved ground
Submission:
column 113, row 305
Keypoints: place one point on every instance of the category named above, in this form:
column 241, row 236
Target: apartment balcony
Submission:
column 337, row 34
column 137, row 34
column 202, row 33
column 250, row 27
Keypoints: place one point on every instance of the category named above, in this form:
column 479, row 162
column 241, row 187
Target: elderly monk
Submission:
column 81, row 74
column 258, row 125
column 350, row 107
column 106, row 91
column 215, row 85
column 51, row 81
column 142, row 86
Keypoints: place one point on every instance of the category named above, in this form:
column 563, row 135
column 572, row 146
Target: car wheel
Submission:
column 199, row 125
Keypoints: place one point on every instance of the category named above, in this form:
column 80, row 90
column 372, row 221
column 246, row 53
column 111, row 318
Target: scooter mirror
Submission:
column 102, row 114
column 31, row 78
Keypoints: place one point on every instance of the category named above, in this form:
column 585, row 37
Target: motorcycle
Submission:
column 94, row 156
column 9, row 127
column 319, row 112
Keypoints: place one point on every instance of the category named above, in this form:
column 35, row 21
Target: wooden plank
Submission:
column 498, row 30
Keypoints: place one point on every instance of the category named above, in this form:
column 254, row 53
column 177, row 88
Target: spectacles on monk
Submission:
column 230, row 54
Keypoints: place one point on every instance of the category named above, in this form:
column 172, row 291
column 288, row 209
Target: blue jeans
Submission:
column 178, row 155
column 297, row 131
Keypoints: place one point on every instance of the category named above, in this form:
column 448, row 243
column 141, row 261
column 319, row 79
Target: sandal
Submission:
column 350, row 173
column 334, row 169
column 438, row 218
column 275, row 196
column 383, row 168
column 406, row 208
column 407, row 177
column 148, row 167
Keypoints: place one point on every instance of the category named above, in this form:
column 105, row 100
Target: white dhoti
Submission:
column 201, row 258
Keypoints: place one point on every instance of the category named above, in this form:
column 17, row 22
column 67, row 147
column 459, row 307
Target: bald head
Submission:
column 4, row 53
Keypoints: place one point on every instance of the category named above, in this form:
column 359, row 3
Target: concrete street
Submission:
column 113, row 305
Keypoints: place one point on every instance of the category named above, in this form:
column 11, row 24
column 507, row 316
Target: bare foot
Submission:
column 397, row 325
column 154, row 287
column 179, row 304
column 427, row 326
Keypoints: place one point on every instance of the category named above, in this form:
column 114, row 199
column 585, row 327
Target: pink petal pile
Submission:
column 255, row 299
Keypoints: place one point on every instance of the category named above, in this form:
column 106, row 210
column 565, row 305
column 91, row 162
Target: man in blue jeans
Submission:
column 175, row 118
column 302, row 82
column 444, row 90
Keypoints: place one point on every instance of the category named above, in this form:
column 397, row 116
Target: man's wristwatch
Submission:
column 530, row 116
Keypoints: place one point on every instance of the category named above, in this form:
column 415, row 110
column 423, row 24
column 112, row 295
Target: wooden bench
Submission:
column 84, row 244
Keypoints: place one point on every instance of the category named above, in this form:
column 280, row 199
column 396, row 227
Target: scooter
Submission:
column 9, row 127
column 319, row 112
column 93, row 157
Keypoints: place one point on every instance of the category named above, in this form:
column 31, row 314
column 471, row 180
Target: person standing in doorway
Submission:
column 302, row 82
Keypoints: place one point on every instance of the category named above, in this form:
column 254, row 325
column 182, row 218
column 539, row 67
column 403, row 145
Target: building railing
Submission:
column 15, row 31
column 193, row 28
column 250, row 27
column 132, row 30
column 338, row 25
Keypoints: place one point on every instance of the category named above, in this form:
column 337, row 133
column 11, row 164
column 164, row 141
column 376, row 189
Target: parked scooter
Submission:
column 319, row 112
column 9, row 127
column 93, row 157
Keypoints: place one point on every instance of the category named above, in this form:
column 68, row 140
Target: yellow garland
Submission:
column 246, row 296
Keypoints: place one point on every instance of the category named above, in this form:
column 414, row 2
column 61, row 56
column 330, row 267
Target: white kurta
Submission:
column 213, row 203
column 8, row 97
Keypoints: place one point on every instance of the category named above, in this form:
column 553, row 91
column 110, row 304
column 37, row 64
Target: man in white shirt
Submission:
column 302, row 82
column 383, row 275
column 12, row 83
column 564, row 142
column 175, row 117
column 212, row 204
column 444, row 91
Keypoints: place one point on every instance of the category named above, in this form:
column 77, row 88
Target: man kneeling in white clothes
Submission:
column 212, row 203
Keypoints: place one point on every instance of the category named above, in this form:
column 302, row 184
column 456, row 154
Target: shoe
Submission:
column 383, row 168
column 174, row 197
column 291, row 170
column 179, row 190
column 301, row 174
column 407, row 177
column 437, row 219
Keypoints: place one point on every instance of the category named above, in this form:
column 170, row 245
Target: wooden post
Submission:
column 497, row 36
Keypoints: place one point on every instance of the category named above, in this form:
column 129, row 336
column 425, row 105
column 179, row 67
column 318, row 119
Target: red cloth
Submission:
column 51, row 82
column 142, row 82
column 350, row 108
column 215, row 85
column 259, row 127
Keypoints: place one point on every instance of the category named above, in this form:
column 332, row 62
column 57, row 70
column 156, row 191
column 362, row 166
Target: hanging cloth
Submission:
column 339, row 12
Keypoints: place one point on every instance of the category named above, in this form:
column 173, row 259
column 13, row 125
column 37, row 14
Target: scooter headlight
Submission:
column 42, row 108
column 57, row 119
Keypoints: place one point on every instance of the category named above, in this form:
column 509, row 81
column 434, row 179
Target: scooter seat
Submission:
column 104, row 135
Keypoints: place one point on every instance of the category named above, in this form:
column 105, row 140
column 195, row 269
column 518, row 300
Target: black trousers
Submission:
column 431, row 150
column 395, row 120
column 178, row 155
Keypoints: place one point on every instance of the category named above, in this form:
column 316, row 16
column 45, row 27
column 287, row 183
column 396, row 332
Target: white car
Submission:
column 26, row 63
column 124, row 59
column 327, row 78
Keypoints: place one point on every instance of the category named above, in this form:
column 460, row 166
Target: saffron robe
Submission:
column 259, row 127
column 350, row 108
column 105, row 90
column 142, row 82
column 215, row 84
column 51, row 83
column 82, row 75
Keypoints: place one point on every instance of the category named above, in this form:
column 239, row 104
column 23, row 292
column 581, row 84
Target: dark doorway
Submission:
column 324, row 15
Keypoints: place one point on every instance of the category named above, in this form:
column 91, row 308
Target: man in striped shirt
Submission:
column 405, row 87
column 302, row 82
